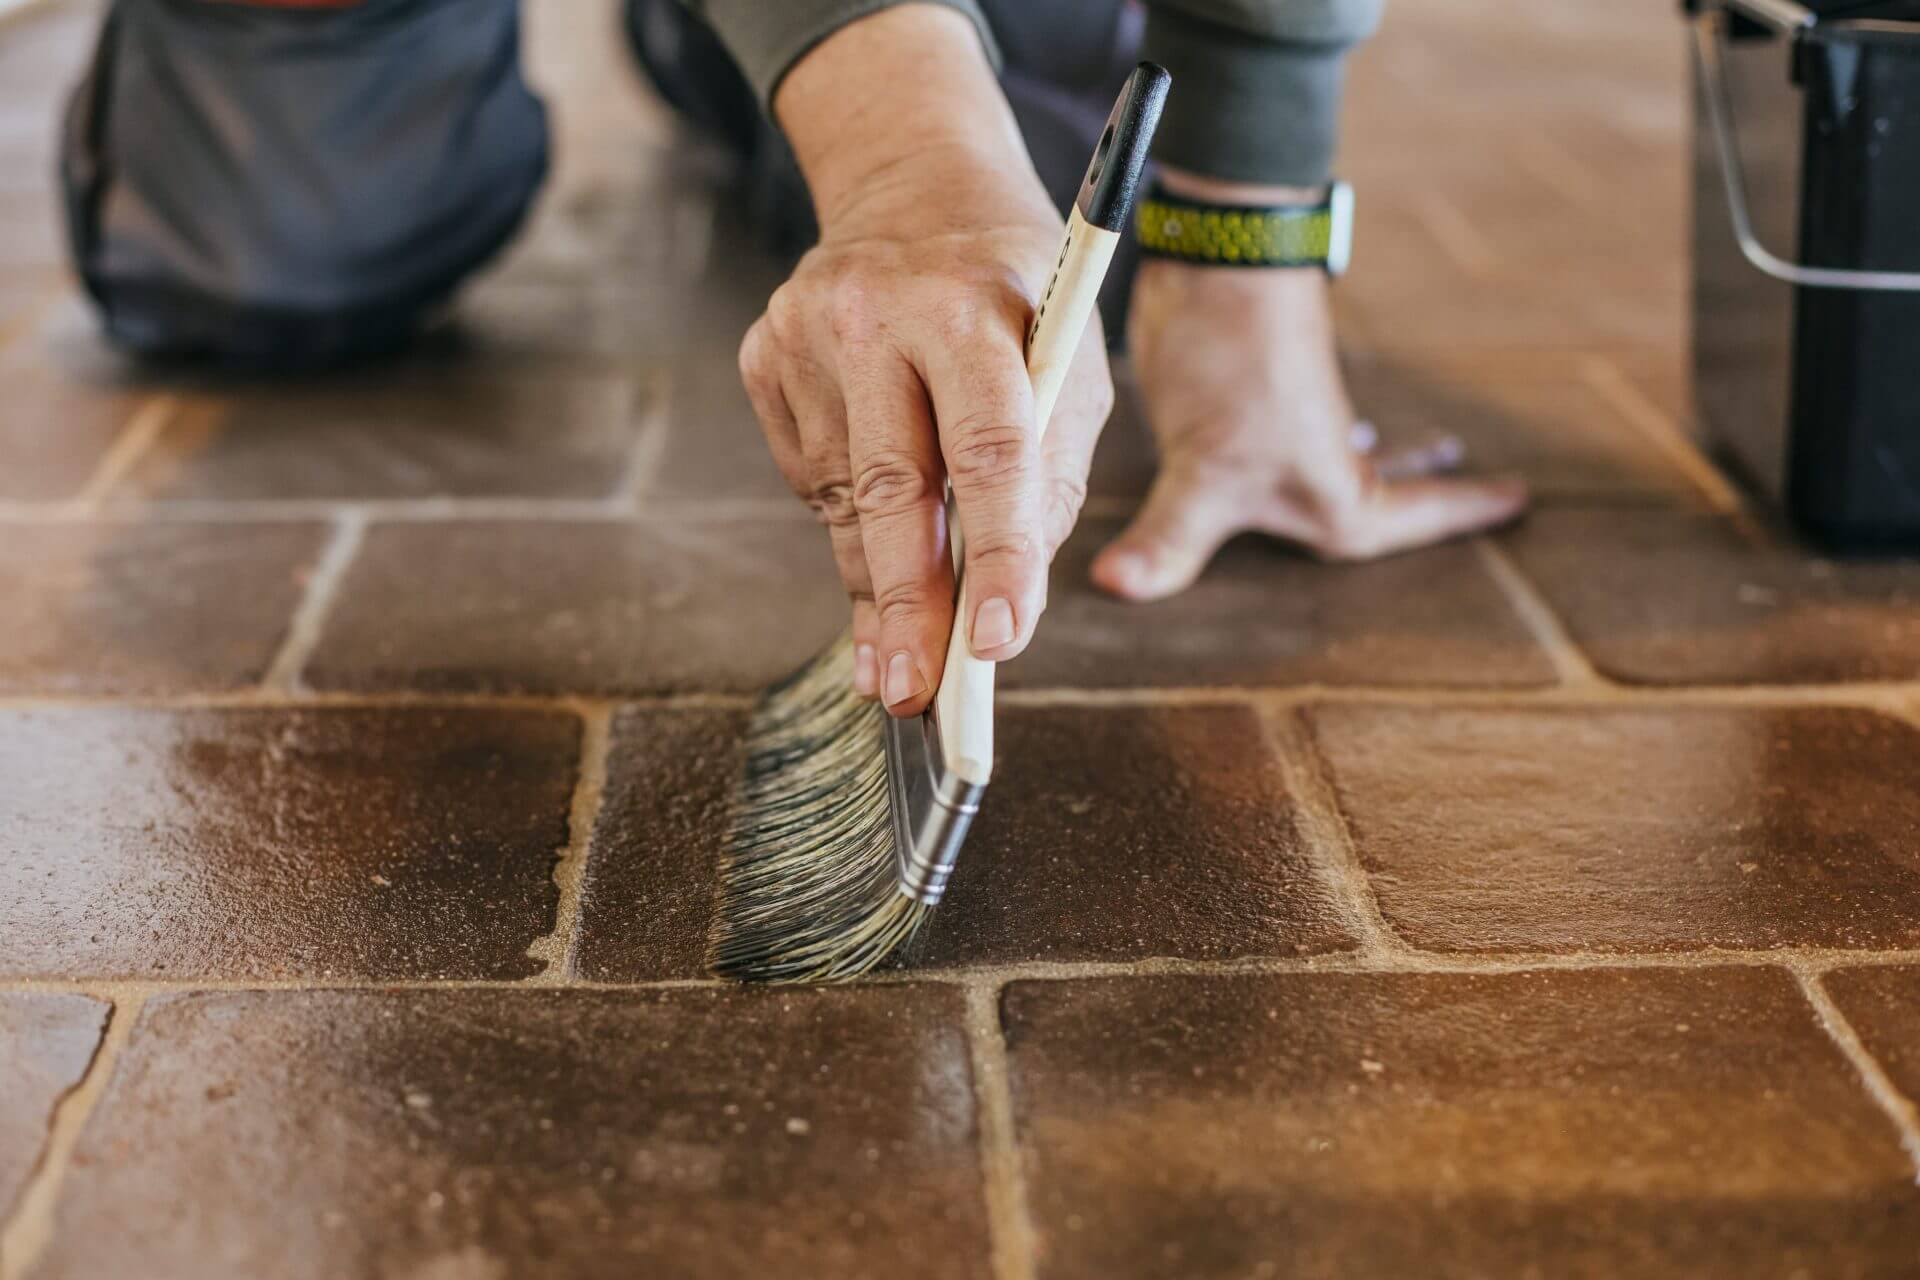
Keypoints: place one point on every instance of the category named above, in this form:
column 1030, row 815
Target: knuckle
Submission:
column 960, row 321
column 1064, row 499
column 851, row 306
column 903, row 605
column 889, row 484
column 758, row 371
column 989, row 452
column 785, row 318
column 1001, row 550
column 833, row 504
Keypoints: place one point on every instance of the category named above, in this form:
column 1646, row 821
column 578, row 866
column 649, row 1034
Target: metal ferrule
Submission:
column 932, row 808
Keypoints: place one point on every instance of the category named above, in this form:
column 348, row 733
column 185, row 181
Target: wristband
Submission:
column 1228, row 235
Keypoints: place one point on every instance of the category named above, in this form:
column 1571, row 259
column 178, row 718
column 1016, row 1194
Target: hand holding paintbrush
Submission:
column 848, row 822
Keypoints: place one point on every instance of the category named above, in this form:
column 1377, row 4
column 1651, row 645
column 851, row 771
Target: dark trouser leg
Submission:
column 287, row 188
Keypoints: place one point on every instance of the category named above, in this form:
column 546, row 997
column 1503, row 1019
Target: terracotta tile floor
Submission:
column 1547, row 904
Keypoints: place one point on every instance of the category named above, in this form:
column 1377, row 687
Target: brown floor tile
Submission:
column 1127, row 833
column 46, row 1042
column 1658, row 597
column 712, row 446
column 1883, row 1004
column 1625, row 830
column 1587, row 1123
column 647, row 902
column 148, row 608
column 457, row 431
column 29, row 229
column 1264, row 615
column 591, row 606
column 276, row 844
column 66, row 400
column 495, row 1133
column 1549, row 426
column 46, row 49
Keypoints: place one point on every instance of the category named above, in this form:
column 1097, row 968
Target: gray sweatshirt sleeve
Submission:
column 1256, row 94
column 1256, row 84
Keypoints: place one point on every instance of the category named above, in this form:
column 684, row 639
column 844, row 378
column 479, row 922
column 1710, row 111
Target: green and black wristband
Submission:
column 1221, row 235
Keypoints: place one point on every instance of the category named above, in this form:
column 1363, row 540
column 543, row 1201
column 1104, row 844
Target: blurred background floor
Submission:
column 1543, row 904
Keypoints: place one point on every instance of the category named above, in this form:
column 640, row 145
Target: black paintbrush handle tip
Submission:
column 1106, row 193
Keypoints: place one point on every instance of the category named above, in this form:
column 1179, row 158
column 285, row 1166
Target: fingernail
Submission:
column 866, row 671
column 903, row 682
column 992, row 625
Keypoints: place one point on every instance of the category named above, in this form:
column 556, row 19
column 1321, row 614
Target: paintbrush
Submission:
column 847, row 821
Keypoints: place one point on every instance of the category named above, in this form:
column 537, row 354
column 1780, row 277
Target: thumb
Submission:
column 1170, row 540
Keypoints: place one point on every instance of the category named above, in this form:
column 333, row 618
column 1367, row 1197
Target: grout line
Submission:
column 1606, row 380
column 1569, row 661
column 323, row 584
column 674, row 510
column 1325, row 829
column 1403, row 960
column 142, row 429
column 1899, row 1108
column 1901, row 698
column 1867, row 694
column 27, row 1234
column 1010, row 1229
column 556, row 949
column 649, row 450
column 308, row 699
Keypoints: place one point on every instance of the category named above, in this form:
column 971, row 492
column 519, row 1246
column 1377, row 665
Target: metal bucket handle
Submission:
column 1709, row 45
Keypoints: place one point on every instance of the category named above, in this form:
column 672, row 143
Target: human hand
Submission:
column 894, row 359
column 1242, row 387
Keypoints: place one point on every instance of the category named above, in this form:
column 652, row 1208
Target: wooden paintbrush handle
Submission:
column 963, row 707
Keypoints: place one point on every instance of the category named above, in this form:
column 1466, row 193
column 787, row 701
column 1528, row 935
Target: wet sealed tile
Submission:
column 453, row 432
column 1264, row 615
column 494, row 1133
column 1585, row 1123
column 596, row 606
column 1548, row 425
column 1577, row 829
column 326, row 843
column 46, row 1042
column 1121, row 834
column 1660, row 597
column 148, row 608
column 1883, row 1004
column 647, row 902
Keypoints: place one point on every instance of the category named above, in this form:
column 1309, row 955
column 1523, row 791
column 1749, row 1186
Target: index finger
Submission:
column 983, row 404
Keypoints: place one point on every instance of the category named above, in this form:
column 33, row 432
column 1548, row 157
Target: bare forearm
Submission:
column 891, row 99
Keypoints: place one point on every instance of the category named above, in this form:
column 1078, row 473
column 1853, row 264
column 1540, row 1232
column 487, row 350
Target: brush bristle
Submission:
column 808, row 886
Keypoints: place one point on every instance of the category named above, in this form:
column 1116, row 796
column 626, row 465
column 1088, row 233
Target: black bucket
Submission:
column 1806, row 258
